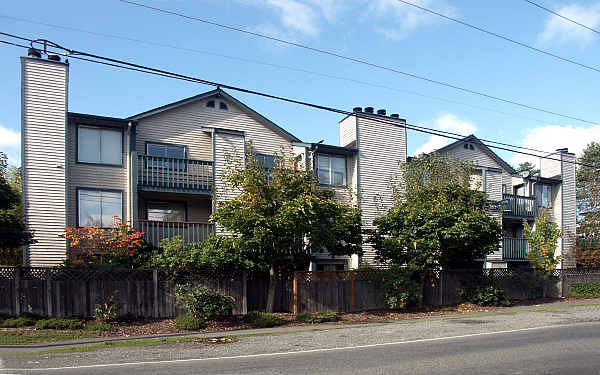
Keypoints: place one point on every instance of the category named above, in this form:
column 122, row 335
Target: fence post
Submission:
column 563, row 280
column 49, row 292
column 17, row 291
column 295, row 292
column 244, row 293
column 441, row 282
column 352, row 294
column 155, row 285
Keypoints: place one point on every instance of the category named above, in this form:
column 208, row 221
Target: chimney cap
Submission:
column 53, row 57
column 395, row 115
column 369, row 109
column 32, row 52
column 357, row 109
column 566, row 149
column 381, row 112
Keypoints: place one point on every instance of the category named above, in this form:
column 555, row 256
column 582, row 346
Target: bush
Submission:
column 189, row 322
column 60, row 323
column 109, row 310
column 400, row 287
column 18, row 322
column 98, row 326
column 259, row 319
column 317, row 318
column 202, row 302
column 585, row 290
column 484, row 295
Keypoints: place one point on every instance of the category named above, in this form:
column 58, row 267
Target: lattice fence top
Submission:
column 309, row 276
column 74, row 274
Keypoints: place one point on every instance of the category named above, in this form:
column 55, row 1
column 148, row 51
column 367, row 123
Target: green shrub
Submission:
column 585, row 290
column 98, row 326
column 189, row 322
column 18, row 322
column 31, row 315
column 484, row 295
column 109, row 310
column 60, row 323
column 400, row 287
column 202, row 302
column 318, row 317
column 259, row 319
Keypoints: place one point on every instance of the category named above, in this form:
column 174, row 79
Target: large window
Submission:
column 99, row 145
column 166, row 211
column 97, row 207
column 546, row 196
column 331, row 170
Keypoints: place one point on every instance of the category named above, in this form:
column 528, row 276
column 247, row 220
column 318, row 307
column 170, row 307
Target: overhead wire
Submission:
column 561, row 16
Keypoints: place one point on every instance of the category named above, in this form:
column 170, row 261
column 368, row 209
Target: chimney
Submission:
column 44, row 158
column 381, row 112
column 395, row 115
column 369, row 109
column 357, row 109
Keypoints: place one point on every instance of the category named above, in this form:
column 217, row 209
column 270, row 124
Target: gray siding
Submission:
column 347, row 131
column 494, row 193
column 44, row 117
column 569, row 207
column 229, row 154
column 382, row 148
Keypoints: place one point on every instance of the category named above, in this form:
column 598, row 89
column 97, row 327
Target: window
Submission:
column 210, row 104
column 546, row 195
column 268, row 163
column 223, row 105
column 99, row 146
column 163, row 150
column 331, row 170
column 468, row 146
column 97, row 207
column 165, row 211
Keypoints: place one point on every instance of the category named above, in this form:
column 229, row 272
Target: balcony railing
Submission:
column 514, row 249
column 172, row 174
column 157, row 231
column 519, row 206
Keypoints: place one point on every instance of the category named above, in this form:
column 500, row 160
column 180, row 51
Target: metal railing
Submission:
column 156, row 231
column 172, row 174
column 514, row 248
column 520, row 206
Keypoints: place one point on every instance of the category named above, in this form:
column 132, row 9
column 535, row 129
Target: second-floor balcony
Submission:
column 173, row 174
column 156, row 231
column 514, row 249
column 519, row 207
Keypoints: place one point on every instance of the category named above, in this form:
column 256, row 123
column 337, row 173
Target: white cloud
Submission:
column 397, row 20
column 562, row 31
column 449, row 123
column 552, row 137
column 10, row 143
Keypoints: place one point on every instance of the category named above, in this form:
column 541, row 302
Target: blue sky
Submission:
column 382, row 31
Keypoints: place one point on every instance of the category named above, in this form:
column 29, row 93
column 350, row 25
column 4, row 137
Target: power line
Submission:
column 561, row 16
column 360, row 61
column 564, row 59
column 279, row 66
column 155, row 71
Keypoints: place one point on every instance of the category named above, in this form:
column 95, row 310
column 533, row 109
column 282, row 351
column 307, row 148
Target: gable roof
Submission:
column 219, row 92
column 473, row 139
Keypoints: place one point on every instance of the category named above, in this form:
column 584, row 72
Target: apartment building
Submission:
column 163, row 169
column 523, row 197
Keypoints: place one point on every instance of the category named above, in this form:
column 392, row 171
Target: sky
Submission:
column 383, row 32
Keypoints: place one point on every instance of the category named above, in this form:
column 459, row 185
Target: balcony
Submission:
column 174, row 175
column 514, row 249
column 519, row 207
column 157, row 231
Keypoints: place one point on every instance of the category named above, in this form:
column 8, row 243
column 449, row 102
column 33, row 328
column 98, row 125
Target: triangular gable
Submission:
column 473, row 139
column 218, row 91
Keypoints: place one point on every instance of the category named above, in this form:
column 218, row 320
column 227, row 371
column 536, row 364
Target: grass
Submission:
column 24, row 337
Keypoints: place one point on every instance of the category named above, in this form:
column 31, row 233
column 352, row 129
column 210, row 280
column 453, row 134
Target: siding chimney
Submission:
column 43, row 131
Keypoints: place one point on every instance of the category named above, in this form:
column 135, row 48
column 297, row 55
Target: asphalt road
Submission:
column 561, row 349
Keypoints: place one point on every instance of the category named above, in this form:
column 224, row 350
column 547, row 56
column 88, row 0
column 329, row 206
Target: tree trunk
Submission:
column 271, row 290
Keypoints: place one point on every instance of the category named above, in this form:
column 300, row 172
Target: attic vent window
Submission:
column 223, row 106
column 468, row 146
column 210, row 104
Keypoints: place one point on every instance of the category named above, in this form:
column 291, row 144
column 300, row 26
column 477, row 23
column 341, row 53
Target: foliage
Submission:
column 259, row 319
column 529, row 167
column 60, row 323
column 438, row 221
column 98, row 326
column 283, row 216
column 542, row 240
column 13, row 233
column 18, row 322
column 108, row 310
column 585, row 290
column 190, row 322
column 317, row 317
column 487, row 294
column 202, row 302
column 220, row 255
column 121, row 247
column 588, row 180
column 587, row 250
column 400, row 287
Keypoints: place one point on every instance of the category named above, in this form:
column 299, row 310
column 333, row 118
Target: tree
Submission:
column 529, row 167
column 13, row 234
column 437, row 220
column 281, row 215
column 542, row 240
column 587, row 249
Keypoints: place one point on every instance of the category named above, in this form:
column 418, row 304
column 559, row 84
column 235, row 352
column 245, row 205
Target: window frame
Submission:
column 159, row 165
column 106, row 128
column 548, row 203
column 329, row 155
column 78, row 205
column 185, row 208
